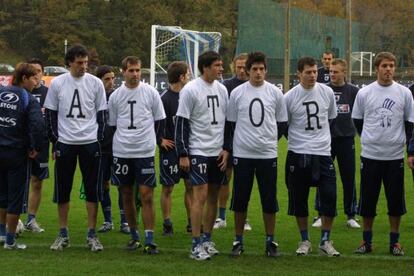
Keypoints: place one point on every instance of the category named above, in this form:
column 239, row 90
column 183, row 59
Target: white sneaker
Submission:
column 60, row 243
column 317, row 223
column 328, row 249
column 352, row 223
column 15, row 245
column 34, row 227
column 247, row 226
column 94, row 244
column 220, row 223
column 199, row 254
column 305, row 247
column 209, row 247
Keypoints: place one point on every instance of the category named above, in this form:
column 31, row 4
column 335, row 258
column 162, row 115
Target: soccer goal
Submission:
column 172, row 43
column 361, row 63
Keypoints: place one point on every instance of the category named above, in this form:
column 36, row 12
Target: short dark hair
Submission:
column 310, row 61
column 129, row 60
column 175, row 70
column 23, row 69
column 77, row 50
column 36, row 61
column 102, row 70
column 384, row 55
column 256, row 57
column 206, row 59
column 328, row 52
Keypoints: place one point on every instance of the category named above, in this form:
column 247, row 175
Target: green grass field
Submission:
column 173, row 258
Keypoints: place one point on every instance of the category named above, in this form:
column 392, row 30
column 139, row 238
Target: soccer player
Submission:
column 22, row 131
column 136, row 110
column 107, row 75
column 323, row 71
column 342, row 143
column 40, row 165
column 170, row 172
column 380, row 113
column 76, row 118
column 310, row 106
column 200, row 144
column 257, row 109
column 239, row 67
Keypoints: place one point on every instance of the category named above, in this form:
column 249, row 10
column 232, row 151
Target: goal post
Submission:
column 361, row 63
column 172, row 43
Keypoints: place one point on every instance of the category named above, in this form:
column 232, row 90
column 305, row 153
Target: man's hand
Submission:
column 167, row 144
column 185, row 163
column 222, row 159
column 33, row 153
column 411, row 162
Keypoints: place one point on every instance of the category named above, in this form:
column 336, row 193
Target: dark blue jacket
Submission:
column 21, row 120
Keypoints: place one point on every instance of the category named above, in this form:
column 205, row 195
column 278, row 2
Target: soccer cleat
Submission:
column 133, row 245
column 317, row 222
column 94, row 244
column 189, row 229
column 124, row 228
column 106, row 227
column 247, row 226
column 271, row 249
column 305, row 247
column 151, row 249
column 363, row 248
column 209, row 247
column 328, row 249
column 2, row 240
column 352, row 223
column 237, row 249
column 34, row 227
column 15, row 245
column 60, row 243
column 199, row 253
column 220, row 223
column 396, row 250
column 167, row 229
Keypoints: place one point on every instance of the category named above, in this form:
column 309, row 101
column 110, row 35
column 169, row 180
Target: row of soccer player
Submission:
column 208, row 126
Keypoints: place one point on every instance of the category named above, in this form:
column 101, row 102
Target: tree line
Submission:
column 112, row 29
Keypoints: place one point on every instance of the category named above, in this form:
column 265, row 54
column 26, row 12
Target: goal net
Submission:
column 361, row 63
column 171, row 43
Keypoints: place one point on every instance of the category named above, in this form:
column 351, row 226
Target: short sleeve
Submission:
column 185, row 104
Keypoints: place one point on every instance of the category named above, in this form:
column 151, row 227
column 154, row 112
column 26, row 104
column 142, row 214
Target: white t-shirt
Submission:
column 384, row 110
column 133, row 112
column 77, row 101
column 256, row 111
column 204, row 105
column 308, row 112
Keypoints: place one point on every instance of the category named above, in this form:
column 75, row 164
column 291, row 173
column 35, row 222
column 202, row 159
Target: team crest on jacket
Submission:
column 235, row 161
column 194, row 161
column 165, row 162
column 292, row 169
